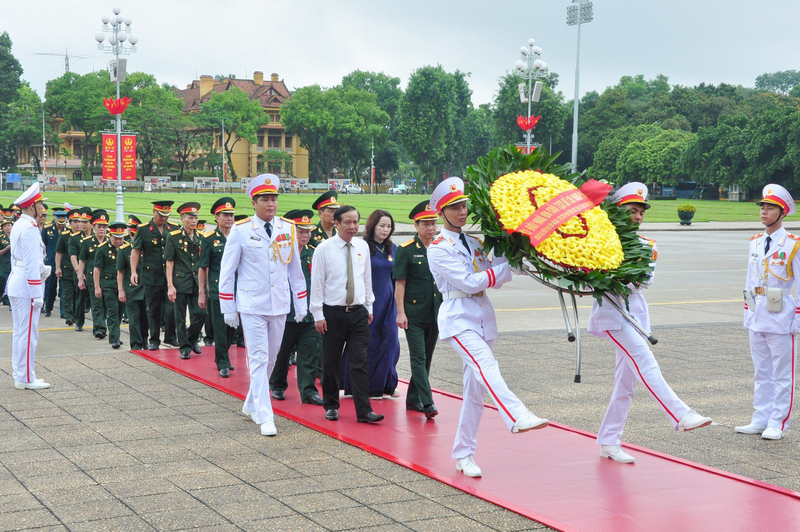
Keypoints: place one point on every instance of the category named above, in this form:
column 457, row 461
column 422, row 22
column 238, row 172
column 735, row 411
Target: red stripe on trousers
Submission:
column 642, row 378
column 496, row 400
column 791, row 401
column 28, row 354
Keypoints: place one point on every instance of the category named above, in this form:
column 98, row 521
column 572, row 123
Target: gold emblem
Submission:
column 640, row 192
column 305, row 219
column 769, row 192
column 427, row 207
column 453, row 187
column 128, row 142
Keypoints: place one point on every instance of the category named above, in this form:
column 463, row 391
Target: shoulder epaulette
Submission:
column 756, row 236
column 793, row 237
column 240, row 222
column 208, row 233
column 175, row 232
column 125, row 245
column 103, row 244
column 437, row 240
column 74, row 233
column 66, row 231
column 406, row 244
column 84, row 239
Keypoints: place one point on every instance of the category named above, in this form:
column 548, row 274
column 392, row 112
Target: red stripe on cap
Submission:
column 449, row 198
column 779, row 201
column 27, row 203
column 425, row 214
column 330, row 201
column 630, row 198
column 263, row 189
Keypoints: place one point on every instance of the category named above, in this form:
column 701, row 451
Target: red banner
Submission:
column 128, row 157
column 109, row 156
column 552, row 214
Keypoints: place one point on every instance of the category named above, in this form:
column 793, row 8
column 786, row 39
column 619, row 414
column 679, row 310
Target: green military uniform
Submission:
column 151, row 241
column 5, row 262
column 69, row 282
column 421, row 302
column 89, row 246
column 302, row 337
column 134, row 298
column 184, row 251
column 328, row 199
column 81, row 296
column 105, row 262
column 208, row 325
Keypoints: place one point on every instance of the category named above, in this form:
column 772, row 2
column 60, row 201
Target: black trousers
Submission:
column 305, row 339
column 224, row 336
column 50, row 290
column 158, row 306
column 188, row 336
column 350, row 329
column 137, row 323
column 79, row 312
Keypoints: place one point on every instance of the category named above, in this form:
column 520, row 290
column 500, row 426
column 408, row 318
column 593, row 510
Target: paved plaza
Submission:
column 119, row 443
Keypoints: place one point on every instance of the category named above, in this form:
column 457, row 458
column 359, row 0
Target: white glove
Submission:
column 38, row 303
column 232, row 319
column 46, row 271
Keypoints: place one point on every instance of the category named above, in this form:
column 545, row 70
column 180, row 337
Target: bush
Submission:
column 687, row 207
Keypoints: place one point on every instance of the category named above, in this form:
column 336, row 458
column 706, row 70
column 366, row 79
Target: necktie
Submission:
column 351, row 288
column 268, row 227
column 766, row 244
column 464, row 241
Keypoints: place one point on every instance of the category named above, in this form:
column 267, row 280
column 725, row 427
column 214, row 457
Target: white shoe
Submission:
column 247, row 413
column 692, row 420
column 268, row 428
column 528, row 421
column 468, row 467
column 616, row 453
column 37, row 384
column 771, row 433
column 752, row 428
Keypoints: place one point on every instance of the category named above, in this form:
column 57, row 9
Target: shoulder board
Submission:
column 240, row 222
column 437, row 240
column 73, row 233
column 756, row 236
column 793, row 237
column 651, row 241
column 103, row 244
column 125, row 245
column 175, row 232
column 84, row 239
column 65, row 231
column 406, row 244
column 208, row 233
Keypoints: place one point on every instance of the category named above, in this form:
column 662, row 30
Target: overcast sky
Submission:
column 315, row 41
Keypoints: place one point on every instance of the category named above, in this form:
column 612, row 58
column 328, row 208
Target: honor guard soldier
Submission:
column 263, row 251
column 466, row 320
column 64, row 268
column 418, row 302
column 5, row 257
column 132, row 295
column 634, row 360
column 772, row 316
column 148, row 246
column 182, row 253
column 26, row 290
column 75, row 244
column 301, row 336
column 208, row 281
column 51, row 232
column 89, row 246
column 105, row 279
column 325, row 205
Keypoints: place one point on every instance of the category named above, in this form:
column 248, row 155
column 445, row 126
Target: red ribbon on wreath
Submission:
column 528, row 122
column 118, row 106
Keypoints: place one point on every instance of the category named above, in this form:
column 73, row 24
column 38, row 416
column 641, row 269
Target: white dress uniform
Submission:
column 267, row 265
column 467, row 322
column 26, row 291
column 772, row 326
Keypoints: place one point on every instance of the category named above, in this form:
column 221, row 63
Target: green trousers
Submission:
column 110, row 305
column 305, row 338
column 159, row 306
column 421, row 339
column 138, row 326
column 188, row 336
column 224, row 336
column 81, row 297
column 69, row 288
column 98, row 312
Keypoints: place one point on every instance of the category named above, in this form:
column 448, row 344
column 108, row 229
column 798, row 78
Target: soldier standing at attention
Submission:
column 467, row 322
column 772, row 316
column 86, row 258
column 5, row 257
column 325, row 205
column 50, row 234
column 25, row 290
column 300, row 336
column 148, row 246
column 208, row 281
column 64, row 269
column 132, row 295
column 182, row 253
column 418, row 302
column 105, row 279
column 263, row 251
column 75, row 244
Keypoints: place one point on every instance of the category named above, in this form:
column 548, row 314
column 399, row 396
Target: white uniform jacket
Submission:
column 472, row 273
column 27, row 260
column 606, row 318
column 775, row 269
column 266, row 266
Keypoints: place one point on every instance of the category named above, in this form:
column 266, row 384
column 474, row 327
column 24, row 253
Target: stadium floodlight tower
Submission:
column 119, row 29
column 530, row 68
column 580, row 13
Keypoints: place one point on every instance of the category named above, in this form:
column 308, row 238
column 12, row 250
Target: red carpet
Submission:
column 554, row 476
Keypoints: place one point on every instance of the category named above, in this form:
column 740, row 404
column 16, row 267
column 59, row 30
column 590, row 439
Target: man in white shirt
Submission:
column 341, row 302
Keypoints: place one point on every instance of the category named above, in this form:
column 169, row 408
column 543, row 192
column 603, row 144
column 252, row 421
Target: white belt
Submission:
column 761, row 291
column 18, row 262
column 458, row 294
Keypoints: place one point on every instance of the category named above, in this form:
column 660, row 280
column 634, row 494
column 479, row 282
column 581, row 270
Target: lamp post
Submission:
column 530, row 68
column 119, row 28
column 581, row 13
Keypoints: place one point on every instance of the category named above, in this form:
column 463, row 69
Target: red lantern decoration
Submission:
column 118, row 106
column 526, row 123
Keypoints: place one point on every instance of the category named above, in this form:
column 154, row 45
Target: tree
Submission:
column 243, row 118
column 655, row 159
column 10, row 71
column 780, row 82
column 478, row 134
column 275, row 162
column 610, row 149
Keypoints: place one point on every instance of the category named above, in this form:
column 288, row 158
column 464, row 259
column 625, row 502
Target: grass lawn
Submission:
column 400, row 205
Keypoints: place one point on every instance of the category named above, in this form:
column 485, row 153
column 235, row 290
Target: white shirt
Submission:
column 27, row 259
column 329, row 275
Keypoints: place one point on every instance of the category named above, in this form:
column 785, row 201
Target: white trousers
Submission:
column 774, row 358
column 481, row 375
column 635, row 363
column 24, row 338
column 263, row 335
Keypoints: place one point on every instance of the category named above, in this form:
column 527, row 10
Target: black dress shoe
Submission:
column 124, row 320
column 70, row 322
column 196, row 348
column 225, row 373
column 116, row 345
column 430, row 411
column 47, row 314
column 370, row 417
column 240, row 343
column 231, row 368
column 208, row 341
column 152, row 346
column 416, row 407
column 99, row 335
column 185, row 354
column 332, row 414
column 313, row 400
column 278, row 395
column 78, row 328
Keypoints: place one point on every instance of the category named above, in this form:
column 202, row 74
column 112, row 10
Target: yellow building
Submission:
column 247, row 158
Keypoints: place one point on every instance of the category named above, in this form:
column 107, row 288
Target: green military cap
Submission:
column 117, row 229
column 191, row 207
column 45, row 207
column 201, row 225
column 100, row 216
column 85, row 213
column 240, row 217
column 300, row 218
column 423, row 211
column 328, row 199
column 164, row 207
column 134, row 221
column 15, row 207
column 6, row 221
column 224, row 204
